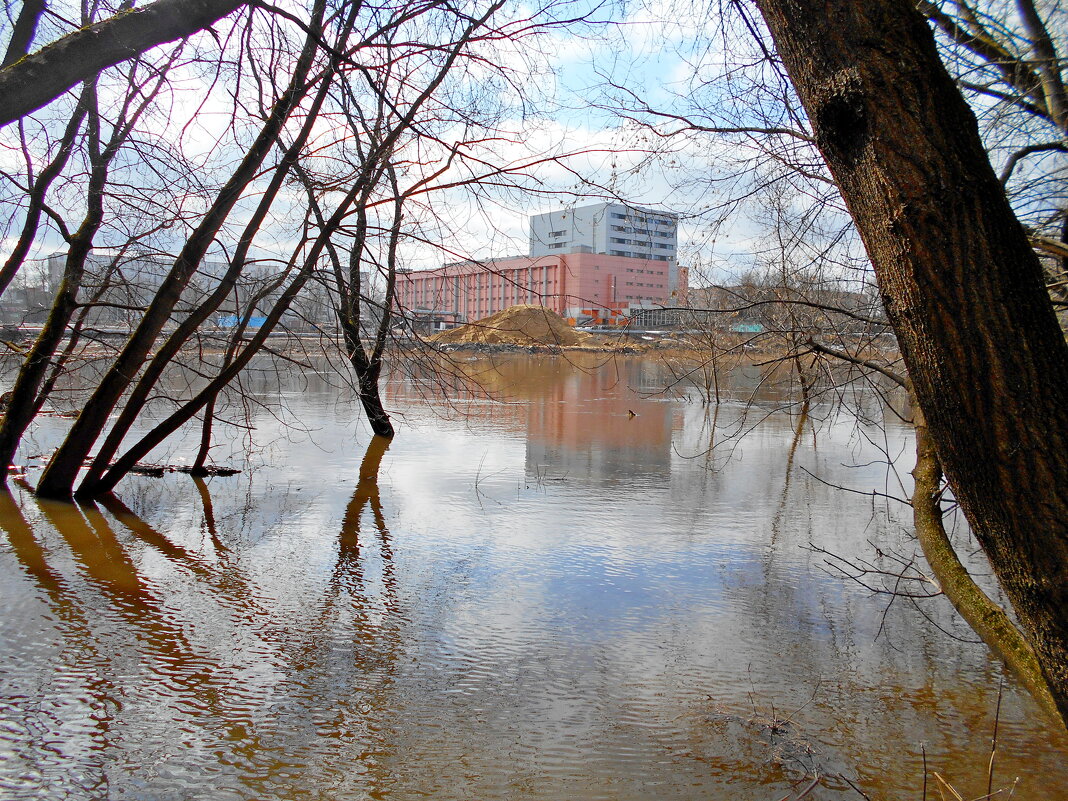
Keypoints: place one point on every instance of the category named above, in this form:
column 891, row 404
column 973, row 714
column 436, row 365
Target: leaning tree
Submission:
column 961, row 283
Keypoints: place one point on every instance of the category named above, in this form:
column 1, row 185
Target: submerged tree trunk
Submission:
column 26, row 398
column 985, row 617
column 961, row 285
column 370, row 397
column 26, row 393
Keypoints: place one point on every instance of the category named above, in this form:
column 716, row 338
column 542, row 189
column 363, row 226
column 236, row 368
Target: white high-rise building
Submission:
column 614, row 229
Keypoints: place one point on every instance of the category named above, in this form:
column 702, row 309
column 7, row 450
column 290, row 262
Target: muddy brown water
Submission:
column 542, row 598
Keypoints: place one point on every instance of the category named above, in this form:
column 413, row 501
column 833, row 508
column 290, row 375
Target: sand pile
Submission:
column 517, row 325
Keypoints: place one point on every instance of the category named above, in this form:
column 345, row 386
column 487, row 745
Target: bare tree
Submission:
column 143, row 85
column 62, row 471
column 372, row 122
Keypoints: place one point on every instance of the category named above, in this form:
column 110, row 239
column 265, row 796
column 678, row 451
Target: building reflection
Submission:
column 593, row 415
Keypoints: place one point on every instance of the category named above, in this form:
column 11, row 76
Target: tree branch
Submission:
column 38, row 79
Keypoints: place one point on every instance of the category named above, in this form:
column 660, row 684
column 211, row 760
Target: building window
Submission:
column 557, row 234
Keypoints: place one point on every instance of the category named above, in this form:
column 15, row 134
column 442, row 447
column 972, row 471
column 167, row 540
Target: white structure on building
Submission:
column 612, row 229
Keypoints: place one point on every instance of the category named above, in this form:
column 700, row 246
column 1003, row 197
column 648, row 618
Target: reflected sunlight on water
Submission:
column 546, row 598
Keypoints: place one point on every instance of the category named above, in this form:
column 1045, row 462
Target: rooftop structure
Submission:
column 612, row 229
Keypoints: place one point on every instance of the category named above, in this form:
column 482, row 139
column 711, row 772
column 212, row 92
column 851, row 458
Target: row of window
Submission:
column 640, row 243
column 641, row 218
column 628, row 254
column 424, row 291
column 625, row 229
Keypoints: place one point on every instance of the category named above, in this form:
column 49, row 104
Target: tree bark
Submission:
column 367, row 374
column 23, row 31
column 963, row 289
column 38, row 79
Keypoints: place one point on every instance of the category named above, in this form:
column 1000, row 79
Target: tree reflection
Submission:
column 348, row 571
column 131, row 660
column 342, row 668
column 209, row 514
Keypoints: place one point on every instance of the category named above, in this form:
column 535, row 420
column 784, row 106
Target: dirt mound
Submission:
column 517, row 325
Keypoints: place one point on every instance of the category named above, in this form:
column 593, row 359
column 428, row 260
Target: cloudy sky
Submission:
column 564, row 104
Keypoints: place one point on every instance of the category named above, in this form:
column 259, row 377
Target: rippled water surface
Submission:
column 539, row 597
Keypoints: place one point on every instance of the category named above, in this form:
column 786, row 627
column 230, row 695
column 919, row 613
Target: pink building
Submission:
column 576, row 284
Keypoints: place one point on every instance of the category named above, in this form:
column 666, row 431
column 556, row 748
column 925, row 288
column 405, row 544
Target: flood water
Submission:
column 539, row 596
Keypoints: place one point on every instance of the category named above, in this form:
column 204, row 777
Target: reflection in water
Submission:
column 802, row 419
column 209, row 512
column 541, row 598
column 567, row 436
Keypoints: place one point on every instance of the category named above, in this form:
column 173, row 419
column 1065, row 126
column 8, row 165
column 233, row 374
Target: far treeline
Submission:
column 268, row 161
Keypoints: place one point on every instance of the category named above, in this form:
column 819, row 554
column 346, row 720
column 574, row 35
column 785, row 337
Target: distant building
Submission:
column 594, row 263
column 121, row 282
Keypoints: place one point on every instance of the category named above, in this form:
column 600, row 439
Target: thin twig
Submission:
column 994, row 741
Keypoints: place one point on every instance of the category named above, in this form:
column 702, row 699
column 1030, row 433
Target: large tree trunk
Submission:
column 962, row 287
